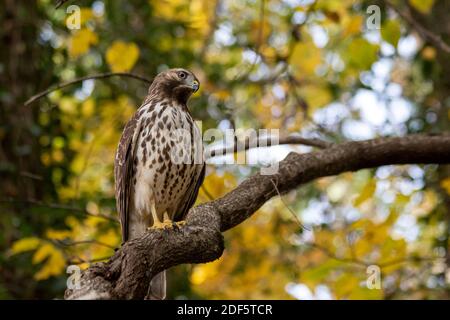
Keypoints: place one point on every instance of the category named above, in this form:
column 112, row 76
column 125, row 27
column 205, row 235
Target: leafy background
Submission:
column 301, row 66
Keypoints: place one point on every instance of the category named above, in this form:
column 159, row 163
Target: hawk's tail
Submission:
column 157, row 288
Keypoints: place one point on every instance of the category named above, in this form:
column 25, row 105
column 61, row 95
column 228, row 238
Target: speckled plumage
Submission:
column 147, row 166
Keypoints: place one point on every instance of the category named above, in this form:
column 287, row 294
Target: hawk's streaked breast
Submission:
column 156, row 170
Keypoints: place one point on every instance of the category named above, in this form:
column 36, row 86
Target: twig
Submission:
column 407, row 259
column 245, row 73
column 59, row 206
column 59, row 3
column 335, row 257
column 290, row 210
column 213, row 22
column 81, row 242
column 77, row 80
column 31, row 175
column 267, row 142
column 207, row 193
column 355, row 260
column 293, row 83
column 426, row 34
column 80, row 260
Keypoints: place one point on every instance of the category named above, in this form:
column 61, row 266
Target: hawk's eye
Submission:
column 182, row 74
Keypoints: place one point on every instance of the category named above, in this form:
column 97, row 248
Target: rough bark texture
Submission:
column 126, row 275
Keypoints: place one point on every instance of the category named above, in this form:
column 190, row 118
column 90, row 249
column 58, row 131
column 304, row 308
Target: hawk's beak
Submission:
column 195, row 85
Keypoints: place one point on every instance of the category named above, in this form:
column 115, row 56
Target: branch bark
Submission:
column 127, row 274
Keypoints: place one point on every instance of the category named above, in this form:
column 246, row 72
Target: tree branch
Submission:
column 127, row 274
column 59, row 3
column 78, row 80
column 58, row 206
column 266, row 142
column 426, row 34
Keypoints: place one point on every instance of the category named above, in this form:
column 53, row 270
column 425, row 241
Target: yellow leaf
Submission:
column 316, row 96
column 194, row 13
column 423, row 6
column 111, row 238
column 68, row 105
column 429, row 53
column 86, row 14
column 221, row 94
column 88, row 108
column 353, row 26
column 25, row 244
column 43, row 252
column 345, row 285
column 305, row 59
column 121, row 56
column 445, row 184
column 366, row 193
column 217, row 185
column 54, row 265
column 81, row 41
column 58, row 234
column 175, row 10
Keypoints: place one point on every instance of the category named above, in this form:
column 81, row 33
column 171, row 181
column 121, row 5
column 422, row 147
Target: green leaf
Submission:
column 361, row 54
column 390, row 32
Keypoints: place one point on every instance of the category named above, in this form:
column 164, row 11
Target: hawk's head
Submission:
column 178, row 84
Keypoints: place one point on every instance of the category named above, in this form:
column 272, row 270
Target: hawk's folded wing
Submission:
column 190, row 196
column 124, row 171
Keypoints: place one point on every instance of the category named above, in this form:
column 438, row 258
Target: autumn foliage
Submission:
column 306, row 67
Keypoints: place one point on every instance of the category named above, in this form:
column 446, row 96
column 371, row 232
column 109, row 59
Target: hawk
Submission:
column 157, row 169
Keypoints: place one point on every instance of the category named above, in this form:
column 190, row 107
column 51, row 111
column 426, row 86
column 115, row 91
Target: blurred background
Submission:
column 327, row 69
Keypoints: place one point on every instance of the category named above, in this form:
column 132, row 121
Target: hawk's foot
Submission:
column 178, row 224
column 166, row 224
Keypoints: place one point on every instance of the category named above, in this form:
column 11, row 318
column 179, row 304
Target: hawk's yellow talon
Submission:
column 180, row 223
column 166, row 224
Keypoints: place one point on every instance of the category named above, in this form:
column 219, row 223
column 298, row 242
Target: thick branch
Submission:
column 129, row 271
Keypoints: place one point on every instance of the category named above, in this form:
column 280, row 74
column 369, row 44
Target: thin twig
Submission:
column 355, row 260
column 337, row 258
column 213, row 22
column 207, row 193
column 31, row 175
column 81, row 261
column 59, row 206
column 59, row 3
column 267, row 142
column 81, row 242
column 406, row 260
column 78, row 80
column 290, row 210
column 243, row 74
column 426, row 34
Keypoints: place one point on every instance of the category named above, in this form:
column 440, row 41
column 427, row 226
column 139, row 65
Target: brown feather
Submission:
column 123, row 171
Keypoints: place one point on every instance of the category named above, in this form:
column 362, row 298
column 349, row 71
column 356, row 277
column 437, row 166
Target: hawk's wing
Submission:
column 190, row 196
column 124, row 171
